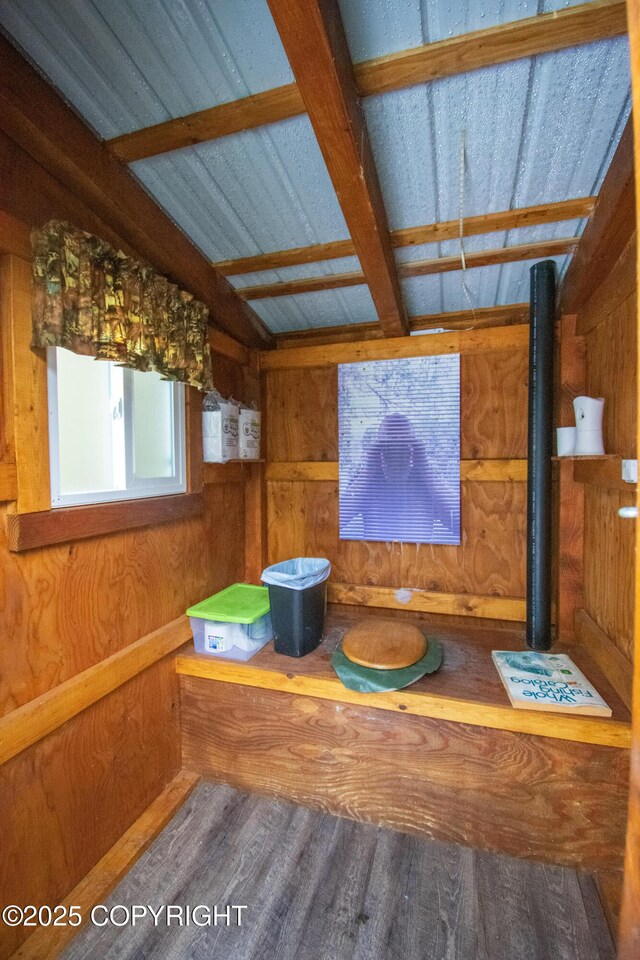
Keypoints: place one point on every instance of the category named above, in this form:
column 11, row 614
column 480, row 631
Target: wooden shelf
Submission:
column 601, row 472
column 466, row 689
column 598, row 456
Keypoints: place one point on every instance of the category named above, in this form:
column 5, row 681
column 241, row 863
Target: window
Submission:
column 114, row 433
column 399, row 434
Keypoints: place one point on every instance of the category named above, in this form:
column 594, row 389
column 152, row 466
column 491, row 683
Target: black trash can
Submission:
column 298, row 598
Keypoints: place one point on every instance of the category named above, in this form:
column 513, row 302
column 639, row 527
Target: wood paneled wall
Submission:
column 63, row 609
column 303, row 515
column 610, row 328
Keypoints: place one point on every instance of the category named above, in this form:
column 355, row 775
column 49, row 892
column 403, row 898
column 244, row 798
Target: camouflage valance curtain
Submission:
column 94, row 300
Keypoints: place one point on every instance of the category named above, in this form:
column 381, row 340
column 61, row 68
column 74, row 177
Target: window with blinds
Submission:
column 399, row 428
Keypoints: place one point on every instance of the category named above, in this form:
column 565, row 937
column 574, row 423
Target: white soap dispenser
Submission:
column 588, row 411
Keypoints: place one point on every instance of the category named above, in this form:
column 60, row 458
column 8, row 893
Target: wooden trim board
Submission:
column 34, row 720
column 602, row 473
column 316, row 45
column 574, row 26
column 47, row 943
column 615, row 666
column 416, row 268
column 412, row 236
column 28, row 530
column 456, row 341
column 425, row 601
column 611, row 733
column 476, row 470
column 232, row 472
column 8, row 480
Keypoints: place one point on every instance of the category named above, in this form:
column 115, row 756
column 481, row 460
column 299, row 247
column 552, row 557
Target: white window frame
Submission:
column 136, row 488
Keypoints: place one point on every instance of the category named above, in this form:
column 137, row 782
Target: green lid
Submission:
column 241, row 603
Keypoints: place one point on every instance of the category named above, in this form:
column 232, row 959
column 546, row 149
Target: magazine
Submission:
column 547, row 681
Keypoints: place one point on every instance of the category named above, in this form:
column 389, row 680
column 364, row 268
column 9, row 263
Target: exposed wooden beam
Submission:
column 271, row 106
column 417, row 268
column 509, row 471
column 314, row 40
column 502, row 316
column 412, row 236
column 456, row 320
column 40, row 123
column 511, row 41
column 608, row 231
column 545, row 33
column 466, row 342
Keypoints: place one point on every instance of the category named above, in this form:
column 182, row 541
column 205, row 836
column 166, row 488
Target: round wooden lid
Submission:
column 384, row 644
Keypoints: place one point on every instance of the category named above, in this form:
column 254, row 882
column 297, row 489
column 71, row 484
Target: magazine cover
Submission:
column 547, row 681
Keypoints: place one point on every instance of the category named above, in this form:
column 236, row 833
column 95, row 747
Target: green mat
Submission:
column 369, row 680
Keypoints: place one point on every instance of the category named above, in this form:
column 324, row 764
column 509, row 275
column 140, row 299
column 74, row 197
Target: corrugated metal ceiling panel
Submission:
column 328, row 308
column 260, row 190
column 486, row 287
column 537, row 130
column 126, row 64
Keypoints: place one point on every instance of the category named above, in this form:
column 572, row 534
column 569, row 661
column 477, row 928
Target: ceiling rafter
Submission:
column 609, row 229
column 413, row 236
column 503, row 316
column 573, row 26
column 314, row 40
column 417, row 268
column 36, row 118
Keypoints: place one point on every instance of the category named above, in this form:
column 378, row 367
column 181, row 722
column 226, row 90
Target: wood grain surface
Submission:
column 384, row 644
column 609, row 541
column 316, row 46
column 69, row 798
column 434, row 778
column 302, row 408
column 46, row 943
column 303, row 520
column 322, row 887
column 466, row 688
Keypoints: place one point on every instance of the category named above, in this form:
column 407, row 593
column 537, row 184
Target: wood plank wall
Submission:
column 65, row 800
column 608, row 323
column 302, row 415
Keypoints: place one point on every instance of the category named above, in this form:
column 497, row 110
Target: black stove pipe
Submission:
column 541, row 349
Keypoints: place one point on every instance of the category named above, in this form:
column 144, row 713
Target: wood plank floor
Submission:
column 317, row 887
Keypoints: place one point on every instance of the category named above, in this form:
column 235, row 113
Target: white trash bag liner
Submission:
column 298, row 574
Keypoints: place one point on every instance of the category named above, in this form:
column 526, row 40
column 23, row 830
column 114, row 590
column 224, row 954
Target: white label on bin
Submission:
column 214, row 642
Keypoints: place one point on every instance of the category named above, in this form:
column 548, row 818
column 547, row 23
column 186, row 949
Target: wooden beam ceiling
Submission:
column 504, row 316
column 418, row 268
column 413, row 236
column 314, row 40
column 608, row 231
column 569, row 27
column 35, row 118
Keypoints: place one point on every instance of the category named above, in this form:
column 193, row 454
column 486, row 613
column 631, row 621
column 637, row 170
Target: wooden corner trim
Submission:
column 48, row 942
column 8, row 481
column 25, row 531
column 602, row 650
column 36, row 719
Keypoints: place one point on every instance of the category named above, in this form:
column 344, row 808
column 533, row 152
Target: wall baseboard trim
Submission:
column 48, row 942
column 424, row 601
column 34, row 720
column 615, row 666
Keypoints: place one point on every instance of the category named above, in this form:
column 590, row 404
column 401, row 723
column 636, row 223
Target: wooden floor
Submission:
column 321, row 888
